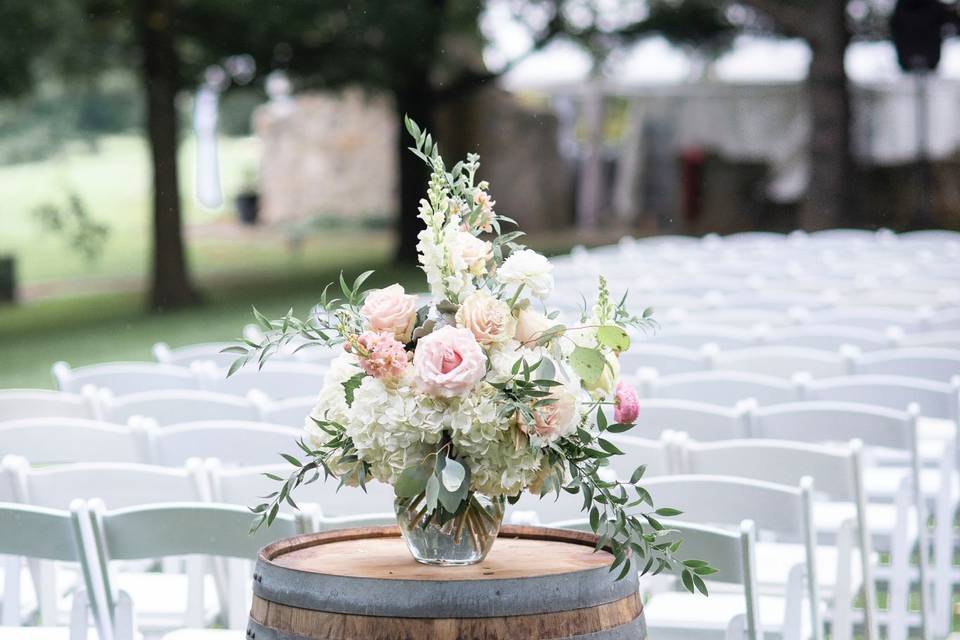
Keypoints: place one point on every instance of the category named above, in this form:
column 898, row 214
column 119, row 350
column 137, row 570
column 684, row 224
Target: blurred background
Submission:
column 166, row 164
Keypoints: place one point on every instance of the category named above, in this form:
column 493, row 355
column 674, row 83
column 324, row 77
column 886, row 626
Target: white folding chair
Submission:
column 827, row 337
column 49, row 535
column 234, row 442
column 919, row 362
column 666, row 359
column 178, row 529
column 187, row 355
column 532, row 509
column 676, row 615
column 705, row 422
column 57, row 440
column 724, row 388
column 894, row 527
column 292, row 412
column 838, row 475
column 784, row 362
column 873, row 318
column 172, row 406
column 276, row 379
column 122, row 485
column 124, row 377
column 16, row 404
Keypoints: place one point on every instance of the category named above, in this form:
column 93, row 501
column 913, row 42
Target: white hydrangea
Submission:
column 332, row 401
column 501, row 460
column 393, row 428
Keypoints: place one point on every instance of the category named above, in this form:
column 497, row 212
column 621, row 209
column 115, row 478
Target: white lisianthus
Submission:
column 528, row 269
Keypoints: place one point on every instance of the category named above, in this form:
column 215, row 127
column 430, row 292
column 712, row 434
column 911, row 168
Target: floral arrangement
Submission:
column 477, row 394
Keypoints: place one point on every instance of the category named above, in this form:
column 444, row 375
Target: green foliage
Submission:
column 73, row 223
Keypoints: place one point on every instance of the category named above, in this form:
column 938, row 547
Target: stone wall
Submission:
column 327, row 154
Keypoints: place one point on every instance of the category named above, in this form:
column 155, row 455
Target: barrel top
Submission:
column 379, row 552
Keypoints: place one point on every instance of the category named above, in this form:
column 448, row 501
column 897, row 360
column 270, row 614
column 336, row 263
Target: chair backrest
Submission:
column 653, row 454
column 933, row 339
column 16, row 404
column 120, row 484
column 724, row 388
column 936, row 399
column 666, row 359
column 172, row 406
column 124, row 377
column 725, row 500
column 918, row 362
column 827, row 337
column 783, row 362
column 234, row 442
column 47, row 534
column 702, row 421
column 874, row 318
column 291, row 412
column 834, row 469
column 695, row 336
column 57, row 440
column 246, row 486
column 275, row 379
column 187, row 355
column 835, row 422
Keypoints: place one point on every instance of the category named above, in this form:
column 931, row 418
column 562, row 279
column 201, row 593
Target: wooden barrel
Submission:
column 362, row 584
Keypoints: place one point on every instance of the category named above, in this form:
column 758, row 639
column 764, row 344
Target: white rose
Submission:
column 531, row 325
column 487, row 318
column 528, row 269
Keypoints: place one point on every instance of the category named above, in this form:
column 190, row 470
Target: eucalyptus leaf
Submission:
column 588, row 364
column 614, row 338
column 413, row 481
column 432, row 493
column 453, row 475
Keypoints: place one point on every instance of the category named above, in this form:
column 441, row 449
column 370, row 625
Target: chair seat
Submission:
column 775, row 559
column 41, row 633
column 682, row 615
column 160, row 599
column 828, row 517
column 883, row 482
column 203, row 634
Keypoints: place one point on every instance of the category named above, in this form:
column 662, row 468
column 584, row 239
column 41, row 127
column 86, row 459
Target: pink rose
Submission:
column 487, row 318
column 391, row 310
column 557, row 419
column 449, row 362
column 626, row 404
column 380, row 355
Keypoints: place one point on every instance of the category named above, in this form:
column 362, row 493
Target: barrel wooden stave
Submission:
column 302, row 594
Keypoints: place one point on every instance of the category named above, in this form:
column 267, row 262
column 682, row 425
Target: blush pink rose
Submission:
column 557, row 419
column 391, row 310
column 381, row 355
column 487, row 318
column 626, row 404
column 449, row 362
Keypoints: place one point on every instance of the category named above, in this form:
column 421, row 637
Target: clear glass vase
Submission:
column 462, row 539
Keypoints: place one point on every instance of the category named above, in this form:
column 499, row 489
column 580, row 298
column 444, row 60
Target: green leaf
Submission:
column 453, row 475
column 351, row 385
column 601, row 420
column 588, row 364
column 701, row 587
column 668, row 512
column 687, row 578
column 413, row 480
column 620, row 428
column 609, row 447
column 432, row 493
column 289, row 458
column 594, row 518
column 613, row 337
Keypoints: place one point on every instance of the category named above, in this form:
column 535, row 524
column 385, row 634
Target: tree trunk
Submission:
column 415, row 102
column 170, row 281
column 828, row 199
